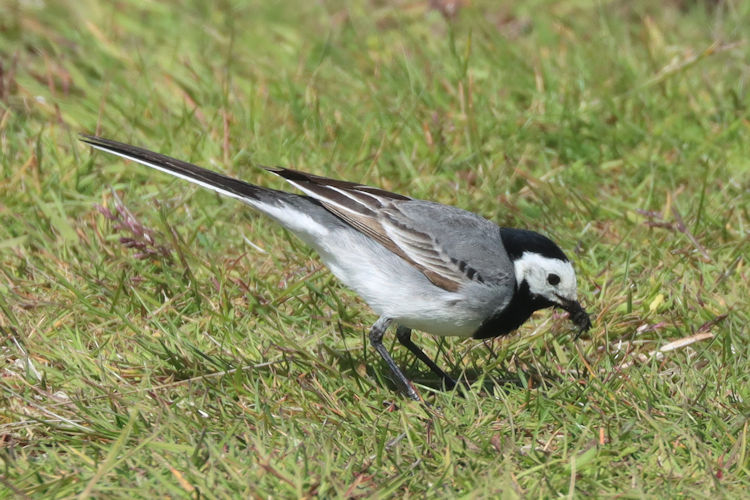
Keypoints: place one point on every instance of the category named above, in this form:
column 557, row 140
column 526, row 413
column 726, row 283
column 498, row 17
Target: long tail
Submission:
column 182, row 169
column 300, row 214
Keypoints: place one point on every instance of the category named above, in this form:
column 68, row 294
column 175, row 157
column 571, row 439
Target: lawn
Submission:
column 158, row 340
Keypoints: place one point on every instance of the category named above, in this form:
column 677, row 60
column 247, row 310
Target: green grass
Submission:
column 216, row 357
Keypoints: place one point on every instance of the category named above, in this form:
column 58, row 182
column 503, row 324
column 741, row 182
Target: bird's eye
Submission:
column 553, row 279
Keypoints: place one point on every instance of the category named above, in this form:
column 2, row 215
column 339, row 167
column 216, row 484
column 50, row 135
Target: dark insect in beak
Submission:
column 578, row 315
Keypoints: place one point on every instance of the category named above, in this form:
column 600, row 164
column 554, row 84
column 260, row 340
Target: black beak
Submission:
column 578, row 315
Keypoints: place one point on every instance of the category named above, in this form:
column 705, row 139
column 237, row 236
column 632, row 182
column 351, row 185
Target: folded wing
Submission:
column 439, row 240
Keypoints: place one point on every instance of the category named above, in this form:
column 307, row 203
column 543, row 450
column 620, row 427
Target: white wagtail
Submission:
column 419, row 264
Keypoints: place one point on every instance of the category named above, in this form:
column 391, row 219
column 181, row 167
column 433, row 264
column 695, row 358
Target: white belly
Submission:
column 394, row 288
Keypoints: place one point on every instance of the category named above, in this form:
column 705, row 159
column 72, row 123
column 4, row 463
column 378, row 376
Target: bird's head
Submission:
column 547, row 273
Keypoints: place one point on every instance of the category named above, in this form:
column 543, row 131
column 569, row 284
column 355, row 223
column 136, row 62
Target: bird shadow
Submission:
column 498, row 380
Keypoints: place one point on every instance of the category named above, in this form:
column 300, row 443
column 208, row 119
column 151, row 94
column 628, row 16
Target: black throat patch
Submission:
column 521, row 306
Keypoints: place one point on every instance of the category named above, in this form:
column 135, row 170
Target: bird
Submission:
column 420, row 265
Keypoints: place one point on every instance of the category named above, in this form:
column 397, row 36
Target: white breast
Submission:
column 394, row 288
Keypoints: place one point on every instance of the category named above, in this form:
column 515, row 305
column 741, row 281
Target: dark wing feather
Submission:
column 376, row 213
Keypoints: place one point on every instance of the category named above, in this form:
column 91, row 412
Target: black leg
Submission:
column 403, row 335
column 376, row 339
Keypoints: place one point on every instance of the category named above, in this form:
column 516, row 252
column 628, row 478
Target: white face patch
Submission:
column 548, row 277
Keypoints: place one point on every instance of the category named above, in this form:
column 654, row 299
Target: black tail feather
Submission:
column 188, row 171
